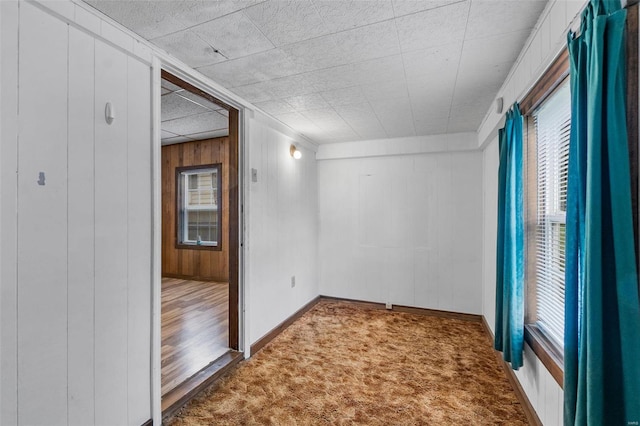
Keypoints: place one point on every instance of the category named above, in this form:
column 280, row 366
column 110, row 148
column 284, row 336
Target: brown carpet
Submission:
column 344, row 364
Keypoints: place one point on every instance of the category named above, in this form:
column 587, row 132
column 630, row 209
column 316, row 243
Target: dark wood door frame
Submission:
column 234, row 228
column 233, row 203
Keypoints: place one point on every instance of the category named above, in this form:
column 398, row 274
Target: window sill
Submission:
column 198, row 247
column 551, row 358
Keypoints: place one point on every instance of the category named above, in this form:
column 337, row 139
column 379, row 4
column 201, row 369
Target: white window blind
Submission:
column 553, row 124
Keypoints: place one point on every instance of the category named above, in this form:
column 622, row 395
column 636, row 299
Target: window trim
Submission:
column 631, row 56
column 548, row 353
column 178, row 206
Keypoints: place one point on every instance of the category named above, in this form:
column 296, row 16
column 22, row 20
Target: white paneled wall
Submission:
column 403, row 229
column 81, row 263
column 491, row 161
column 42, row 224
column 545, row 394
column 76, row 347
column 546, row 41
column 282, row 216
column 1, row 209
column 8, row 205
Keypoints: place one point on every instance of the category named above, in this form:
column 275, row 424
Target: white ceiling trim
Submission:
column 451, row 142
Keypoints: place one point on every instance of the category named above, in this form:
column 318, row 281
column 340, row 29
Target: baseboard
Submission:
column 409, row 309
column 264, row 340
column 148, row 423
column 487, row 329
column 195, row 278
column 529, row 411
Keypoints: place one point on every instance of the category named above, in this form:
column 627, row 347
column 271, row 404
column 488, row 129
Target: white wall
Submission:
column 546, row 41
column 490, row 161
column 1, row 209
column 405, row 229
column 76, row 302
column 282, row 222
column 8, row 183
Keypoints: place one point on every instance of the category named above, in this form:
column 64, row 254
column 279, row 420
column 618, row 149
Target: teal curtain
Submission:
column 509, row 336
column 602, row 311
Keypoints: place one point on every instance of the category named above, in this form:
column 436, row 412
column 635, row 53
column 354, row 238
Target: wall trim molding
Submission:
column 408, row 309
column 264, row 340
column 409, row 145
column 529, row 411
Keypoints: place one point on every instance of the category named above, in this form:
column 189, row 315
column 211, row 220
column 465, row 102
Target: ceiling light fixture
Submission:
column 295, row 152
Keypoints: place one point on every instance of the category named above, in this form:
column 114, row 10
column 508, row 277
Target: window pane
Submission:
column 203, row 226
column 192, row 226
column 193, row 181
column 552, row 126
column 200, row 213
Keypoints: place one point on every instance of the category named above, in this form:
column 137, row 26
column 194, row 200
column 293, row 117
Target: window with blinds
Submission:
column 198, row 206
column 552, row 121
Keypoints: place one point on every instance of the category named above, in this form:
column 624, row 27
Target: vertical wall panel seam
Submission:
column 93, row 104
column 67, row 242
column 413, row 221
column 127, row 226
column 0, row 219
column 94, row 229
column 156, row 165
column 17, row 291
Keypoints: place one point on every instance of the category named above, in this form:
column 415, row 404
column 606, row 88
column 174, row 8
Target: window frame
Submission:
column 180, row 215
column 544, row 348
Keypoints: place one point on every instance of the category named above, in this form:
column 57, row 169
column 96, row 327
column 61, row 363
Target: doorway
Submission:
column 200, row 239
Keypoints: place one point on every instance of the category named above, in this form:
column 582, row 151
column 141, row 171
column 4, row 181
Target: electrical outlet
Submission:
column 293, row 281
column 389, row 305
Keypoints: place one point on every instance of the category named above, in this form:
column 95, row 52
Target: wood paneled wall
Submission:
column 199, row 264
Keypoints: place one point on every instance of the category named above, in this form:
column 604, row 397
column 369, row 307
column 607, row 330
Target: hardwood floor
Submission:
column 195, row 328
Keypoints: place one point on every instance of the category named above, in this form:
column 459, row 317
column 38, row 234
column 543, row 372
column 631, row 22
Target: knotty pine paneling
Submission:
column 196, row 264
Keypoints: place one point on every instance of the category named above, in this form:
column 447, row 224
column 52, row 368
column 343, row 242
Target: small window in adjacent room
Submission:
column 199, row 212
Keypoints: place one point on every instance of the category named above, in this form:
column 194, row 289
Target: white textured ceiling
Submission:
column 188, row 117
column 346, row 70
